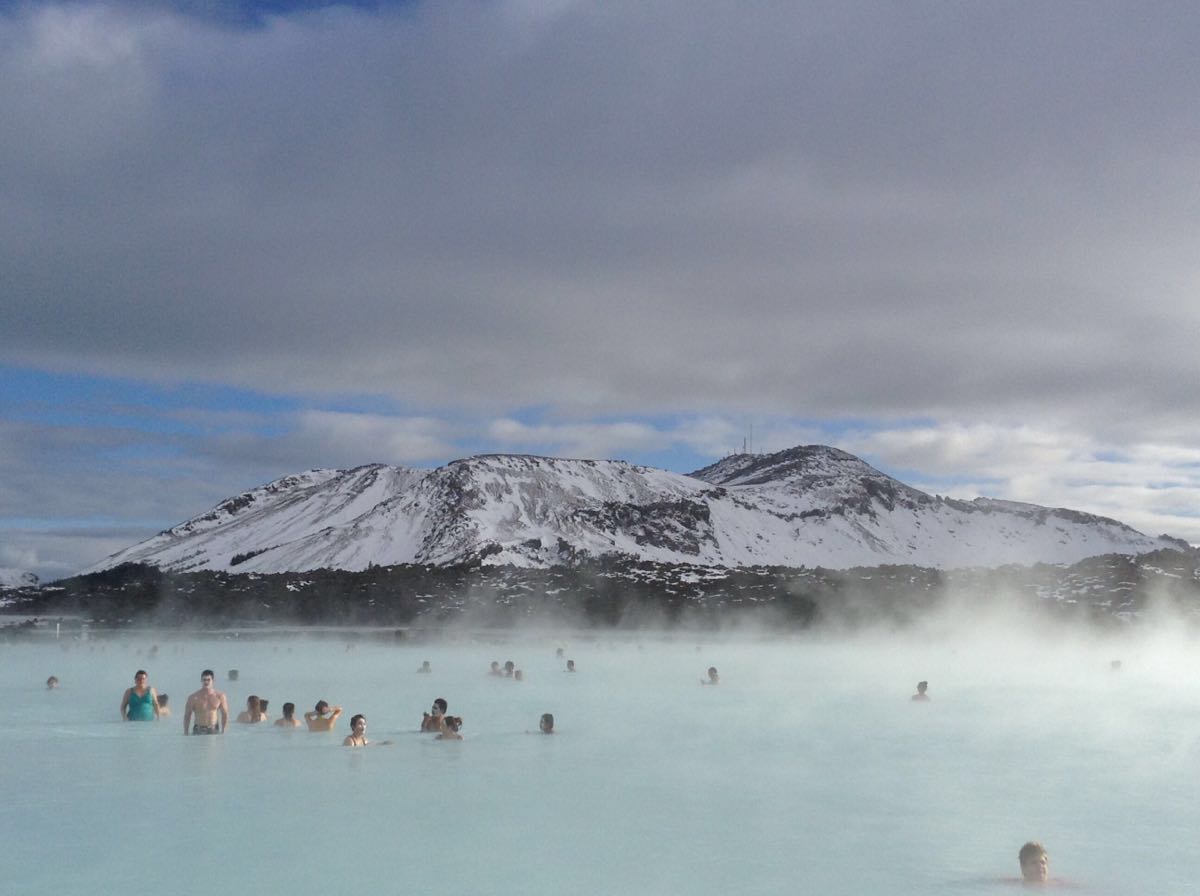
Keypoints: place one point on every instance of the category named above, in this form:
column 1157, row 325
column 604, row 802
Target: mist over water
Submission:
column 807, row 769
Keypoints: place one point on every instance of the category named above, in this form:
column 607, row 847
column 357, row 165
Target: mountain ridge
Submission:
column 804, row 506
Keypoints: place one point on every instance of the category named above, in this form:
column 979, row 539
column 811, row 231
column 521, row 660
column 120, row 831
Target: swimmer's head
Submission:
column 262, row 704
column 547, row 722
column 570, row 665
column 207, row 676
column 712, row 673
column 52, row 682
column 140, row 676
column 252, row 703
column 440, row 705
column 453, row 722
column 1035, row 864
column 358, row 723
column 322, row 707
column 162, row 699
column 289, row 709
column 922, row 687
column 232, row 674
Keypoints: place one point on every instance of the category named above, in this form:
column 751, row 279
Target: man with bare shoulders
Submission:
column 208, row 706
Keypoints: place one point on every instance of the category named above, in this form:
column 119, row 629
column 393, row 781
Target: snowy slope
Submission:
column 16, row 578
column 807, row 506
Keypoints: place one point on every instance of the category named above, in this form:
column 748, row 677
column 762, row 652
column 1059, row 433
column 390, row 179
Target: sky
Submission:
column 240, row 239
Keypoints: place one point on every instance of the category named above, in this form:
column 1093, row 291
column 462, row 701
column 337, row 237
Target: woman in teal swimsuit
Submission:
column 140, row 703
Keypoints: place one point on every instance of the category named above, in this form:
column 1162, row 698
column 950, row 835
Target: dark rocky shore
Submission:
column 1108, row 590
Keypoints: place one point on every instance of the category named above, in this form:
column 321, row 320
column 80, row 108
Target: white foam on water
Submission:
column 806, row 770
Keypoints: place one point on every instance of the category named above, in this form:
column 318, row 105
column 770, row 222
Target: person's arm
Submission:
column 224, row 713
column 125, row 705
column 337, row 711
column 187, row 716
column 154, row 702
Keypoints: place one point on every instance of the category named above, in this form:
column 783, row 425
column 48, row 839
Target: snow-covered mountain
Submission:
column 807, row 506
column 16, row 578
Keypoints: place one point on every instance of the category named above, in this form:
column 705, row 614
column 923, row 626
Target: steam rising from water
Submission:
column 807, row 769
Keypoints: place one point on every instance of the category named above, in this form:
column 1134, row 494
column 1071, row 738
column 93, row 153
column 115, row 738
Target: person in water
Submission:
column 922, row 687
column 713, row 677
column 450, row 729
column 570, row 665
column 1035, row 863
column 495, row 670
column 425, row 668
column 358, row 733
column 163, row 709
column 51, row 682
column 288, row 719
column 140, row 702
column 208, row 706
column 322, row 717
column 253, row 713
column 547, row 723
column 432, row 721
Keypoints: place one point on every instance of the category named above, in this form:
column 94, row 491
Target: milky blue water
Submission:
column 807, row 770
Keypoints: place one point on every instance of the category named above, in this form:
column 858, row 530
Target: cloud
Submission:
column 657, row 223
column 610, row 209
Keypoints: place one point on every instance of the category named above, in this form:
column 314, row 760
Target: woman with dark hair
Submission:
column 288, row 720
column 140, row 702
column 358, row 733
column 451, row 724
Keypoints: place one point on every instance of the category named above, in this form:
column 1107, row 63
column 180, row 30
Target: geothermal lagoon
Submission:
column 807, row 770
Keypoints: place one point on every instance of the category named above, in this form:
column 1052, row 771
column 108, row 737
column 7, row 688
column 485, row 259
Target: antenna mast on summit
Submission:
column 748, row 442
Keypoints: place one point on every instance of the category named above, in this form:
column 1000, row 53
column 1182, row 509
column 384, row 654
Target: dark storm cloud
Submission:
column 917, row 208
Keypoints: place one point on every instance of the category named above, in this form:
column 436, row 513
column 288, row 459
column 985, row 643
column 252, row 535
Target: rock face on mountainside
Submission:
column 803, row 507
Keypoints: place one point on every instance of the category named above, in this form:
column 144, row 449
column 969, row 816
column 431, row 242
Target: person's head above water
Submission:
column 321, row 708
column 289, row 710
column 440, row 705
column 1035, row 863
column 206, row 677
column 922, row 687
column 52, row 682
column 355, row 719
column 547, row 723
column 162, row 699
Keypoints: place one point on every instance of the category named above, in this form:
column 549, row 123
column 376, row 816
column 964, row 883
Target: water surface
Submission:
column 806, row 770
